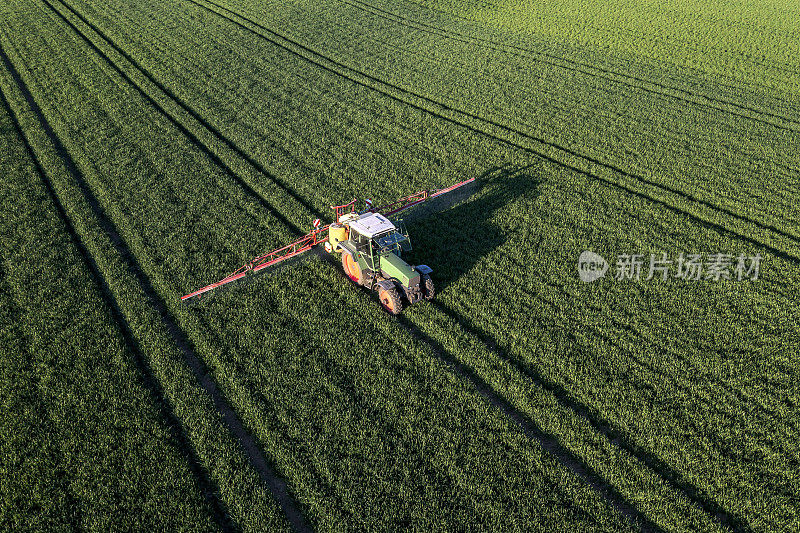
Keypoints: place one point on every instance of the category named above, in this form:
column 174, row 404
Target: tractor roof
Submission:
column 371, row 224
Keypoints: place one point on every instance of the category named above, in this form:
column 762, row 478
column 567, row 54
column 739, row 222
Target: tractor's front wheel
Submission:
column 427, row 288
column 352, row 269
column 390, row 300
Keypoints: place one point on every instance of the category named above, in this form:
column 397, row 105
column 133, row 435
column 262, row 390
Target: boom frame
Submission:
column 319, row 235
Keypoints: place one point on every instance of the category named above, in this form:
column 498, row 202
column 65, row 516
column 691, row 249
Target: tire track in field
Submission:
column 205, row 148
column 339, row 69
column 522, row 123
column 660, row 89
column 530, row 428
column 76, row 513
column 207, row 486
column 339, row 375
column 533, row 431
column 394, row 138
column 450, row 14
column 466, row 68
column 249, row 445
column 255, row 165
column 601, row 425
column 604, row 427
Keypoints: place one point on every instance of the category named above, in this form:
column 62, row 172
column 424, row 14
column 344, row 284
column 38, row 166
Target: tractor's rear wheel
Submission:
column 352, row 269
column 427, row 288
column 390, row 300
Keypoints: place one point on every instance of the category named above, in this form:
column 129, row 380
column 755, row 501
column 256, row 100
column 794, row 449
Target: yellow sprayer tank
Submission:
column 336, row 234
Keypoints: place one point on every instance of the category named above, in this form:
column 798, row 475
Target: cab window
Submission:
column 361, row 242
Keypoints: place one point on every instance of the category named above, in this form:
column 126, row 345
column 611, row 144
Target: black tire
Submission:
column 427, row 288
column 390, row 300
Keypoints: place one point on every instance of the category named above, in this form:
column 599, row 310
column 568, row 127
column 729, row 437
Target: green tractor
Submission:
column 372, row 247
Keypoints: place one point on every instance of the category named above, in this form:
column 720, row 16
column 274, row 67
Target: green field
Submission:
column 149, row 147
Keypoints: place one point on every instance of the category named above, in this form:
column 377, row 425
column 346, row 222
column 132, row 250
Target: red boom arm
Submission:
column 276, row 256
column 417, row 198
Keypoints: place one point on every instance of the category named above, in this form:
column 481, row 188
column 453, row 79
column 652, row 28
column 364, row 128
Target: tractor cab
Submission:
column 374, row 235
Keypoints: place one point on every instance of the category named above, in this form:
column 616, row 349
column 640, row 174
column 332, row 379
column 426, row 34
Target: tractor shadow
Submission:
column 452, row 233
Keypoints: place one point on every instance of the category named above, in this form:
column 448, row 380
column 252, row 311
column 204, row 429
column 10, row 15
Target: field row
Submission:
column 99, row 433
column 749, row 47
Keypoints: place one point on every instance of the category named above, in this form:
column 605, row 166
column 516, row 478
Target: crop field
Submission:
column 150, row 147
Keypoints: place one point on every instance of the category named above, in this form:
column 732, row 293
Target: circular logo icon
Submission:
column 591, row 266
